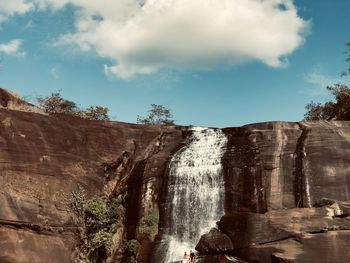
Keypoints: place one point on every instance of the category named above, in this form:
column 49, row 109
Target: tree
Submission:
column 339, row 109
column 56, row 104
column 96, row 113
column 158, row 115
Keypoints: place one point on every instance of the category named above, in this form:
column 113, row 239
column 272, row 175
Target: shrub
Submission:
column 149, row 225
column 98, row 218
column 102, row 239
column 131, row 247
column 55, row 104
column 77, row 203
column 336, row 109
column 96, row 113
column 158, row 115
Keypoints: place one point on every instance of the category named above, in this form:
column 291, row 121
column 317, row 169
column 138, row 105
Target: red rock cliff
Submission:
column 275, row 174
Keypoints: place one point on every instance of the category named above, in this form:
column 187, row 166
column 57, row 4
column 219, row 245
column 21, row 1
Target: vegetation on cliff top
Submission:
column 56, row 104
column 157, row 115
column 339, row 108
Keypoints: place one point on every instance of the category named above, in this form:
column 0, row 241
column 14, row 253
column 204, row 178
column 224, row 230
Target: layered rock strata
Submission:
column 286, row 187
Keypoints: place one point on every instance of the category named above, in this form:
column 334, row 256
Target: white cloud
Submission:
column 11, row 7
column 145, row 36
column 12, row 48
column 142, row 38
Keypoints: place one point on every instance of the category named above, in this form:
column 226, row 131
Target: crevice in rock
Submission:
column 133, row 199
column 329, row 229
column 134, row 184
column 259, row 243
column 300, row 188
column 43, row 229
column 243, row 174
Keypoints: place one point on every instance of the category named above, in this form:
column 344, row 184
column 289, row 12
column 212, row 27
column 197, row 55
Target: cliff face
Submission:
column 9, row 100
column 291, row 164
column 274, row 174
column 44, row 159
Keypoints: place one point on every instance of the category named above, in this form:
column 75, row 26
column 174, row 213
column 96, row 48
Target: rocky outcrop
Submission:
column 10, row 100
column 275, row 173
column 215, row 241
column 44, row 159
column 286, row 187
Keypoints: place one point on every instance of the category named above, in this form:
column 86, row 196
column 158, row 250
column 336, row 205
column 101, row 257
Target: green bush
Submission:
column 149, row 225
column 336, row 109
column 77, row 203
column 157, row 115
column 98, row 218
column 56, row 104
column 96, row 113
column 102, row 239
column 131, row 247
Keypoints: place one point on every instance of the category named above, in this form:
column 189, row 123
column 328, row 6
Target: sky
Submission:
column 213, row 63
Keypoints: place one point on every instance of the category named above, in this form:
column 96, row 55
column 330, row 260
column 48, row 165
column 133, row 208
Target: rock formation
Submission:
column 277, row 175
column 286, row 187
column 10, row 100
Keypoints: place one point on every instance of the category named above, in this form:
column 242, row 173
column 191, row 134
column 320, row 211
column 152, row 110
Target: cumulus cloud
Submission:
column 145, row 36
column 11, row 7
column 12, row 48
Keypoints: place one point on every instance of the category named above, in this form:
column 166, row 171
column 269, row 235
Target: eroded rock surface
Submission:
column 274, row 175
column 10, row 100
column 44, row 159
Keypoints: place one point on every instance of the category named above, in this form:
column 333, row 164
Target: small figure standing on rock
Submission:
column 185, row 258
column 192, row 257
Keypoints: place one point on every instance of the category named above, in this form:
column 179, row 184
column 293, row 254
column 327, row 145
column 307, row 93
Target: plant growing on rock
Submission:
column 157, row 115
column 339, row 107
column 131, row 247
column 56, row 104
column 149, row 225
column 98, row 219
column 96, row 113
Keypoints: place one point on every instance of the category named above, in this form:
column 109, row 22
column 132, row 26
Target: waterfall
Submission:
column 196, row 190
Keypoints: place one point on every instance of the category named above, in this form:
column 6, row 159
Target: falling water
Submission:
column 195, row 190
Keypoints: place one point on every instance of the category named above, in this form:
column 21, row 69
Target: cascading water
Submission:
column 196, row 190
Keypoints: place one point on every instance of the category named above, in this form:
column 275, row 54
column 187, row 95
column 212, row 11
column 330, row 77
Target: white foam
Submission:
column 197, row 190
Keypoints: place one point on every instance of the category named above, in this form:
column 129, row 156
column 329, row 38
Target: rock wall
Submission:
column 44, row 159
column 275, row 174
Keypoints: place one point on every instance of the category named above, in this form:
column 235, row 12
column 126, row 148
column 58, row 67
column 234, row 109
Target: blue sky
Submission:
column 59, row 48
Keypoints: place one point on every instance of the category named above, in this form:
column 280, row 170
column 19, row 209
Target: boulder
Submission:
column 214, row 241
column 246, row 229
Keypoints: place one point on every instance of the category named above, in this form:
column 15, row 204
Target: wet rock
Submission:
column 214, row 241
column 220, row 259
column 261, row 237
column 246, row 229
